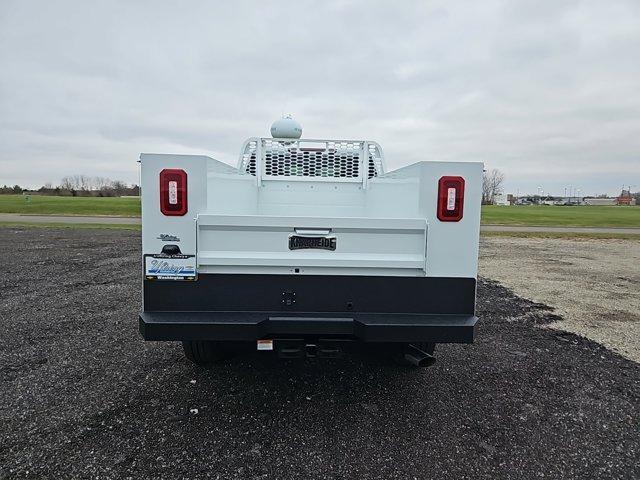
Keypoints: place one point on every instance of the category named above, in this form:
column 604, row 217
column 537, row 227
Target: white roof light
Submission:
column 286, row 127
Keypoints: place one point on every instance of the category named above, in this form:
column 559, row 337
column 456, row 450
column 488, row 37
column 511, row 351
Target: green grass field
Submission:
column 542, row 215
column 551, row 215
column 44, row 205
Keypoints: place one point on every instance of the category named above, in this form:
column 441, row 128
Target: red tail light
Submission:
column 450, row 199
column 173, row 191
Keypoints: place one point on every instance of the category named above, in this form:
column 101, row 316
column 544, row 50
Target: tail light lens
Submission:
column 173, row 191
column 450, row 199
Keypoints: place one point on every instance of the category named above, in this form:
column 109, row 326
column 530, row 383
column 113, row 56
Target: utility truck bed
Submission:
column 306, row 248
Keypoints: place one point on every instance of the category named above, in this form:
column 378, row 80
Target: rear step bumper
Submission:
column 252, row 326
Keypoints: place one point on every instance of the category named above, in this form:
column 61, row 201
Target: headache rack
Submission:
column 307, row 159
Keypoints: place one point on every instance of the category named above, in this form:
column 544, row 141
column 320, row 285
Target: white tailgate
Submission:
column 260, row 244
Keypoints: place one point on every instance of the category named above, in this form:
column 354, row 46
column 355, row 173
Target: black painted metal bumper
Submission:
column 235, row 326
column 366, row 308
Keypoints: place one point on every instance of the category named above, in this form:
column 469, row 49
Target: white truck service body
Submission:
column 308, row 246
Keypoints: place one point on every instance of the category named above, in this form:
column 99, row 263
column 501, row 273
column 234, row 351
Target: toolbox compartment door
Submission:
column 350, row 246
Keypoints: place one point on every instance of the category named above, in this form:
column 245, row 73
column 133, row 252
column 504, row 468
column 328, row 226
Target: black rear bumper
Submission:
column 251, row 326
column 365, row 308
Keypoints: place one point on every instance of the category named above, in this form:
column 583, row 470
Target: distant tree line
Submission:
column 5, row 189
column 80, row 186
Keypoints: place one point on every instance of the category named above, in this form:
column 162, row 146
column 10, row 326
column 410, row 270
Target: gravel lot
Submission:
column 81, row 395
column 592, row 284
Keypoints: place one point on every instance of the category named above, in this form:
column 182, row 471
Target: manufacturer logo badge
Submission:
column 168, row 238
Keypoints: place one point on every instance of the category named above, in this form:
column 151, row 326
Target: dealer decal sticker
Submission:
column 170, row 267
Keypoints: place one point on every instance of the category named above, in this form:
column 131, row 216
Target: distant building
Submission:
column 546, row 200
column 570, row 200
column 501, row 199
column 528, row 200
column 625, row 198
column 601, row 201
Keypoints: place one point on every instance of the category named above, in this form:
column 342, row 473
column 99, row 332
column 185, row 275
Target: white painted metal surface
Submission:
column 239, row 220
column 259, row 241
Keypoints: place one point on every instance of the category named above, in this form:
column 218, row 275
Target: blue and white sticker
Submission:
column 170, row 267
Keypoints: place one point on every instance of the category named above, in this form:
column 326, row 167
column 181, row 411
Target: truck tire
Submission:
column 205, row 352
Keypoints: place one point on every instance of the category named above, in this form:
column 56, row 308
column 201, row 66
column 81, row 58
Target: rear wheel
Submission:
column 206, row 352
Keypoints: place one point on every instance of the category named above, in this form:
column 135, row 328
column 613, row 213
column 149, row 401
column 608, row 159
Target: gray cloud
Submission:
column 546, row 91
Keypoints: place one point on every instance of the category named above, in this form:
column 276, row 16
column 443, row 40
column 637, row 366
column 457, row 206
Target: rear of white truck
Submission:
column 306, row 248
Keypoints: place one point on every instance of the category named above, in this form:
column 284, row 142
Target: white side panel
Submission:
column 231, row 194
column 308, row 198
column 154, row 223
column 240, row 194
column 393, row 198
column 453, row 246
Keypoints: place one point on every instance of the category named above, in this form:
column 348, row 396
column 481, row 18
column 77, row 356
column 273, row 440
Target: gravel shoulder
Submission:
column 592, row 284
column 82, row 396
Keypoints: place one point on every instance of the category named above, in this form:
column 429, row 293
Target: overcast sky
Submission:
column 546, row 91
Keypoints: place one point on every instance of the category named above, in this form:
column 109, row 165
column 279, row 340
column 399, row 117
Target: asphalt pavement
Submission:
column 83, row 396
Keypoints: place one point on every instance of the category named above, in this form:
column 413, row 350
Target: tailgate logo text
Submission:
column 297, row 242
